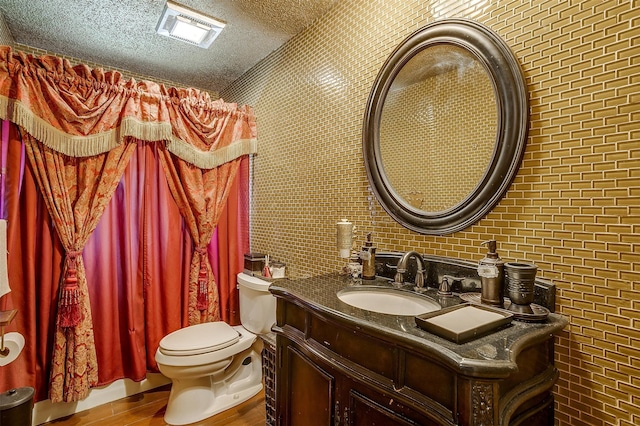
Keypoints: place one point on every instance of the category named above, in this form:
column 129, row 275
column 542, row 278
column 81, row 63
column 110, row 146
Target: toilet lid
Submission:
column 199, row 339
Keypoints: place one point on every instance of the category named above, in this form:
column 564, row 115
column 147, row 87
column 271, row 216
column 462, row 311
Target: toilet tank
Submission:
column 257, row 304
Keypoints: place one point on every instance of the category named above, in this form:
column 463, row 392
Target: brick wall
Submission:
column 573, row 209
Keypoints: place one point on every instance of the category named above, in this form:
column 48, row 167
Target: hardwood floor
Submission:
column 148, row 409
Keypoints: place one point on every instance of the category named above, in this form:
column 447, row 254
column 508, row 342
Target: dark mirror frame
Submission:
column 511, row 137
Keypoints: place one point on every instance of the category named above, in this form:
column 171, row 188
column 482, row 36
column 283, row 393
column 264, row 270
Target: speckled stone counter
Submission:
column 489, row 380
column 496, row 351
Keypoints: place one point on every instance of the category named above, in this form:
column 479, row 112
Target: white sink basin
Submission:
column 387, row 301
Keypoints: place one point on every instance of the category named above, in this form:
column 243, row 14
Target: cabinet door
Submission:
column 310, row 391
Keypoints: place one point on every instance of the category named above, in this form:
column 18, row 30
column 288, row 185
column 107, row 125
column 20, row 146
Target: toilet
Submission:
column 215, row 366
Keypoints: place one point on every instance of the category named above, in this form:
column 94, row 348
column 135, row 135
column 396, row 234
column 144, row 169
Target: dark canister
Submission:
column 520, row 280
column 16, row 406
column 253, row 263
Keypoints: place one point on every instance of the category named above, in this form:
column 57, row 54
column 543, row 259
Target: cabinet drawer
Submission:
column 290, row 314
column 372, row 354
column 430, row 379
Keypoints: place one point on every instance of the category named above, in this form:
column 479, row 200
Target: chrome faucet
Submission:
column 402, row 268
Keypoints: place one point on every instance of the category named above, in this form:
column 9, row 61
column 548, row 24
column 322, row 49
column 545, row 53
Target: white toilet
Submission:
column 215, row 366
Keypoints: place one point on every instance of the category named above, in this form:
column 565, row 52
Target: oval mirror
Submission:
column 445, row 126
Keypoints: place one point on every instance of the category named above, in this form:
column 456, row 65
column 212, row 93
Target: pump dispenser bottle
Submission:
column 368, row 256
column 491, row 271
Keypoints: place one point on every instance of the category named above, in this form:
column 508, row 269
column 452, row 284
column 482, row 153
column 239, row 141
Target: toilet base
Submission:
column 194, row 399
column 200, row 406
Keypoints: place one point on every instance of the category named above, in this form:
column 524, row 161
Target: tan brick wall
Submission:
column 574, row 207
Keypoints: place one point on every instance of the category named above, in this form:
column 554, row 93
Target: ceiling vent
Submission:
column 187, row 25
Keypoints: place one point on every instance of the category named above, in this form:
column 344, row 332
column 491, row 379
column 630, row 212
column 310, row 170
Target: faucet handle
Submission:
column 450, row 282
column 445, row 288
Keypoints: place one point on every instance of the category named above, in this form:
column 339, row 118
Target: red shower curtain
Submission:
column 232, row 234
column 137, row 260
column 140, row 247
column 35, row 257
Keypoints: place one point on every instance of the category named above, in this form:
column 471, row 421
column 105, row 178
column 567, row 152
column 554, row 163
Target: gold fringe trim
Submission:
column 81, row 146
column 73, row 146
column 86, row 146
column 145, row 131
column 4, row 108
column 211, row 159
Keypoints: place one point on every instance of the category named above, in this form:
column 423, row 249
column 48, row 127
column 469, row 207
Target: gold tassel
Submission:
column 202, row 299
column 69, row 314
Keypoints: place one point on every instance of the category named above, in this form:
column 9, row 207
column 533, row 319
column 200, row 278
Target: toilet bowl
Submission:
column 214, row 366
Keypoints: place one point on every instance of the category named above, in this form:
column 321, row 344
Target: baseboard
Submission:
column 46, row 411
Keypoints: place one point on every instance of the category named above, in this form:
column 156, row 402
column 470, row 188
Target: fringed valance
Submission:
column 82, row 112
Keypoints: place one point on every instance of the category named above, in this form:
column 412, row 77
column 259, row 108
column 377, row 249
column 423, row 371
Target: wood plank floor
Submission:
column 148, row 409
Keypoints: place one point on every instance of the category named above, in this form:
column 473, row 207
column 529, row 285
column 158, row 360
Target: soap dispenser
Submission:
column 491, row 272
column 368, row 256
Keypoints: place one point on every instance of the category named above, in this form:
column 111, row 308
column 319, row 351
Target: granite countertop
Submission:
column 496, row 351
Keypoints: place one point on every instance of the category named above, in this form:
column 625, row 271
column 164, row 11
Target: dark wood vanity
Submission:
column 340, row 365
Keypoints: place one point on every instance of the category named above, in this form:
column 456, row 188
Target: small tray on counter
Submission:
column 464, row 322
column 538, row 312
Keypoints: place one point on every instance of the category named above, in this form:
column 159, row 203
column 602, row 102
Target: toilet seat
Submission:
column 199, row 339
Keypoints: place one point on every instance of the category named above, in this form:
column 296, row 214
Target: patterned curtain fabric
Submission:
column 78, row 121
column 229, row 244
column 201, row 196
column 76, row 191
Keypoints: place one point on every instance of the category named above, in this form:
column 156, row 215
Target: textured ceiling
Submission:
column 122, row 34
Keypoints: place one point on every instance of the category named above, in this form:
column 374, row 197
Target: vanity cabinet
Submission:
column 338, row 365
column 321, row 391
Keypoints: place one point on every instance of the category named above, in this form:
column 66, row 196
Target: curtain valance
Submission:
column 80, row 112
